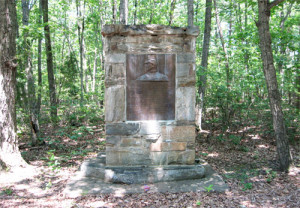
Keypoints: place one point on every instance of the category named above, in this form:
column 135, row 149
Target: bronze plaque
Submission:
column 150, row 90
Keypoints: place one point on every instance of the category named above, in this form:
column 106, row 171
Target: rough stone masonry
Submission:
column 149, row 95
column 149, row 105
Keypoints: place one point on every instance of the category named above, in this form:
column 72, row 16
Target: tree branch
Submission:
column 31, row 4
column 274, row 3
column 288, row 12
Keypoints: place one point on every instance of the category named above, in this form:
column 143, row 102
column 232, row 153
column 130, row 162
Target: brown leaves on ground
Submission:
column 247, row 162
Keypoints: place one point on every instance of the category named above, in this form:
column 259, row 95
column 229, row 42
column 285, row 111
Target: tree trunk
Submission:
column 246, row 53
column 297, row 82
column 151, row 4
column 51, row 79
column 223, row 44
column 94, row 72
column 85, row 71
column 171, row 14
column 114, row 11
column 283, row 46
column 230, row 23
column 265, row 41
column 135, row 11
column 82, row 47
column 9, row 152
column 96, row 53
column 297, row 94
column 31, row 97
column 246, row 50
column 123, row 12
column 204, row 60
column 227, row 68
column 80, row 37
column 196, row 12
column 39, row 100
column 190, row 12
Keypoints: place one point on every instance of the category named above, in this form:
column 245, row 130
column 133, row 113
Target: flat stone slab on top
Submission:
column 134, row 30
column 80, row 184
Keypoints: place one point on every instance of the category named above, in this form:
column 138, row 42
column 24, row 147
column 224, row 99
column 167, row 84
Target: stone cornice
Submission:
column 135, row 30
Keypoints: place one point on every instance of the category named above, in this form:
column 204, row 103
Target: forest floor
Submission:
column 246, row 159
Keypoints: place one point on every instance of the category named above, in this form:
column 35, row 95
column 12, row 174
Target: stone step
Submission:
column 96, row 168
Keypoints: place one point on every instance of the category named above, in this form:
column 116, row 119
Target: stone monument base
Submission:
column 94, row 178
column 96, row 168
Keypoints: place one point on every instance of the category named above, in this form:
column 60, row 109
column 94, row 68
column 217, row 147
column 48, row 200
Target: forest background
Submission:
column 235, row 80
column 234, row 84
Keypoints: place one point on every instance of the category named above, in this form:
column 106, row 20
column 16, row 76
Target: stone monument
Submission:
column 149, row 114
column 150, row 102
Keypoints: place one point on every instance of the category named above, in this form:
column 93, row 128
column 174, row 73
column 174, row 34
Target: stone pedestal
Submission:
column 97, row 168
column 149, row 112
column 149, row 95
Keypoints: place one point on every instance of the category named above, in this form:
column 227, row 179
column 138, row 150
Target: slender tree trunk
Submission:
column 196, row 12
column 223, row 44
column 80, row 40
column 60, row 80
column 135, row 11
column 246, row 53
column 70, row 45
column 246, row 95
column 114, row 11
column 124, row 12
column 33, row 112
column 151, row 4
column 282, row 51
column 101, row 56
column 39, row 100
column 85, row 71
column 171, row 14
column 297, row 81
column 190, row 12
column 94, row 72
column 51, row 79
column 283, row 46
column 82, row 47
column 96, row 53
column 230, row 23
column 204, row 60
column 264, row 9
column 227, row 68
column 9, row 152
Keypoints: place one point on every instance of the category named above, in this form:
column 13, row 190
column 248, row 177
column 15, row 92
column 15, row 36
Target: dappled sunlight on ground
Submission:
column 16, row 175
column 263, row 146
column 248, row 204
column 120, row 192
column 255, row 137
column 248, row 128
column 247, row 164
column 215, row 154
column 100, row 204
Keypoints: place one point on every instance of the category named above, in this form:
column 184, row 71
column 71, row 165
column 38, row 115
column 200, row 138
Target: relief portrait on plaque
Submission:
column 150, row 87
column 151, row 68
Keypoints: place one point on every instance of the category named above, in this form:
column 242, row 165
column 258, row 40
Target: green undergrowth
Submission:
column 247, row 175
